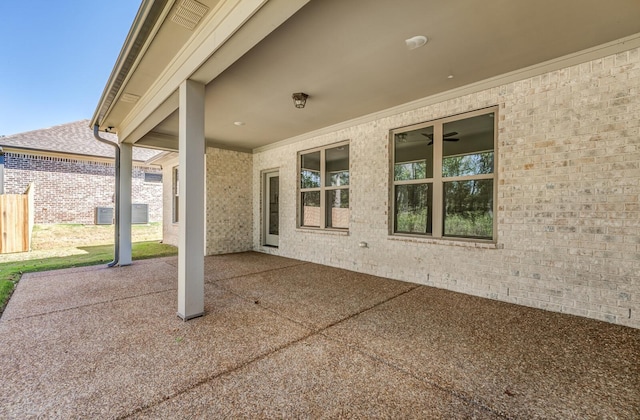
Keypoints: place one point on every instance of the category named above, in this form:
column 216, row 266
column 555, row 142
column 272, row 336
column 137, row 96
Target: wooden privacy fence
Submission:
column 16, row 221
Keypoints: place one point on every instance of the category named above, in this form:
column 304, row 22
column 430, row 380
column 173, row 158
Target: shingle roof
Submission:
column 73, row 138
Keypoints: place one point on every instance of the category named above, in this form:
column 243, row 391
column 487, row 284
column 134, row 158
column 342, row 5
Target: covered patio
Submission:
column 283, row 338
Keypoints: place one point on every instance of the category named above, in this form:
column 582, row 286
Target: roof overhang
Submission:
column 143, row 29
column 349, row 56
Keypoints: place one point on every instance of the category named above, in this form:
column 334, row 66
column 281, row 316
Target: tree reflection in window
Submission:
column 457, row 198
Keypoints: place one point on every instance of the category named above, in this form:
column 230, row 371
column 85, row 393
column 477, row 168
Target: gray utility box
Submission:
column 104, row 216
column 139, row 214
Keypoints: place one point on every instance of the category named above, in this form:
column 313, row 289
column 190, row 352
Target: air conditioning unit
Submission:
column 139, row 214
column 104, row 216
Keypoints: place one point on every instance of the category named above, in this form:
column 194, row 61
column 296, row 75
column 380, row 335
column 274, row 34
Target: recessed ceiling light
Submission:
column 416, row 42
column 450, row 76
column 239, row 123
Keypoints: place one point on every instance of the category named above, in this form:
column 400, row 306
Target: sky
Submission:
column 56, row 57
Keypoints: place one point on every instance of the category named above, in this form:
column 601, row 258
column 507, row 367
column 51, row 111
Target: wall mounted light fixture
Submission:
column 299, row 99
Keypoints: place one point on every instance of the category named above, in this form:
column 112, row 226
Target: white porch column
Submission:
column 126, row 168
column 191, row 147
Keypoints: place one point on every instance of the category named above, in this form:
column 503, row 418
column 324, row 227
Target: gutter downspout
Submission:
column 116, row 251
column 1, row 171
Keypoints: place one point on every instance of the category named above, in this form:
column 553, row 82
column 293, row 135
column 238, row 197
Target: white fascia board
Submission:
column 218, row 26
column 134, row 33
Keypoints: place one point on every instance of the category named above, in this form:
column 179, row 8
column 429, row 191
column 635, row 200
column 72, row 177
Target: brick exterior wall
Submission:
column 69, row 190
column 568, row 209
column 229, row 202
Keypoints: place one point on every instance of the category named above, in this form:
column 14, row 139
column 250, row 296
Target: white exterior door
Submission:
column 271, row 216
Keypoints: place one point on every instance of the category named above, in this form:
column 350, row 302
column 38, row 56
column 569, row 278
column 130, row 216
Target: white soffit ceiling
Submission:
column 351, row 58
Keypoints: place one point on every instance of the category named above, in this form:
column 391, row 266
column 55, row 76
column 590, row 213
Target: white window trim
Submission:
column 437, row 181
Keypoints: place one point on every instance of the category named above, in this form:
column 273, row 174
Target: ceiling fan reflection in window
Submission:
column 445, row 137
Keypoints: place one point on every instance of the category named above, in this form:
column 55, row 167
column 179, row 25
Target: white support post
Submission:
column 126, row 173
column 191, row 146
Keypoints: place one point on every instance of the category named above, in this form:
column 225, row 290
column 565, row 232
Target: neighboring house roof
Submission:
column 74, row 138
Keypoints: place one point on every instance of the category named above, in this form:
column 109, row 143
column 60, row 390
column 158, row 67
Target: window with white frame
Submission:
column 444, row 177
column 175, row 194
column 324, row 187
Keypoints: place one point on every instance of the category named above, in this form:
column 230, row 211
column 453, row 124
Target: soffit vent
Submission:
column 189, row 13
column 129, row 98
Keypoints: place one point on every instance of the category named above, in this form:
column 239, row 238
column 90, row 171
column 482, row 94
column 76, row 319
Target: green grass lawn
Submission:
column 10, row 272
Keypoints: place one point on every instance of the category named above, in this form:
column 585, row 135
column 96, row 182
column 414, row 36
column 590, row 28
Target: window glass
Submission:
column 461, row 192
column 410, row 170
column 468, row 208
column 324, row 188
column 413, row 204
column 153, row 177
column 311, row 209
column 274, row 209
column 337, row 179
column 467, row 146
column 337, row 166
column 413, row 152
column 338, row 209
column 310, row 170
column 466, row 165
column 176, row 196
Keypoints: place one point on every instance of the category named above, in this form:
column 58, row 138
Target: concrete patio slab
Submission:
column 283, row 338
column 317, row 378
column 108, row 359
column 76, row 287
column 522, row 362
column 315, row 295
column 228, row 266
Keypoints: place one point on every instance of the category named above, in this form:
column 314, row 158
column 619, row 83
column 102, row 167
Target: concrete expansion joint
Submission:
column 257, row 302
column 270, row 352
column 319, row 331
column 257, row 272
column 456, row 394
column 453, row 392
column 216, row 376
column 102, row 302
